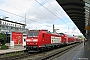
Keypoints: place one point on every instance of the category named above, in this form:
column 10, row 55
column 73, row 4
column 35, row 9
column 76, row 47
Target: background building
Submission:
column 7, row 27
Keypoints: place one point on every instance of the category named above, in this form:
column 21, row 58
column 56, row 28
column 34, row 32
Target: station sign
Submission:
column 87, row 27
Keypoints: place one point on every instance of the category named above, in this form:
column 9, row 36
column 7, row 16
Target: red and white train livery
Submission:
column 38, row 40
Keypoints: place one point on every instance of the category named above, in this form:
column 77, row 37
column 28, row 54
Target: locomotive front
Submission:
column 32, row 41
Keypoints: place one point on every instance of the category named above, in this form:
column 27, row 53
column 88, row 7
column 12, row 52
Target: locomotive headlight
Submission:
column 36, row 43
column 27, row 43
column 28, row 40
column 35, row 40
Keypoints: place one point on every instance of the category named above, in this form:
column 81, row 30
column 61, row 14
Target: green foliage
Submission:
column 80, row 37
column 3, row 47
column 13, row 54
column 9, row 55
column 3, row 38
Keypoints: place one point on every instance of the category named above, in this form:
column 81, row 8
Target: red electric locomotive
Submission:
column 38, row 40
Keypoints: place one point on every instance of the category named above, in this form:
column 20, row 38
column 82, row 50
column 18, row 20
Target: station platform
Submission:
column 12, row 49
column 81, row 52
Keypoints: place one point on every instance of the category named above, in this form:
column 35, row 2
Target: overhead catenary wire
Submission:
column 13, row 13
column 25, row 14
column 25, row 17
column 11, row 6
column 15, row 8
column 47, row 9
column 19, row 15
column 51, row 12
column 53, row 7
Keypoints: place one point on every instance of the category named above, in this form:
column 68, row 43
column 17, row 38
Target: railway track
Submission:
column 47, row 55
column 14, row 55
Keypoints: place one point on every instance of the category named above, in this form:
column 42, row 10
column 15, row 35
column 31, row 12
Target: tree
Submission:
column 3, row 38
column 81, row 37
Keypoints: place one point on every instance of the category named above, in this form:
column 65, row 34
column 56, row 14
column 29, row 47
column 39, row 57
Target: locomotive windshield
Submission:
column 33, row 33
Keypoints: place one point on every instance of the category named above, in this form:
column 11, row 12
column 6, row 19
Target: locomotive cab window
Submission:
column 33, row 33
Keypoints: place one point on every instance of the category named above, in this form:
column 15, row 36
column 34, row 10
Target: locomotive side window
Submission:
column 43, row 35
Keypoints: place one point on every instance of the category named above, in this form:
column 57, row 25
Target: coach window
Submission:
column 0, row 22
column 3, row 22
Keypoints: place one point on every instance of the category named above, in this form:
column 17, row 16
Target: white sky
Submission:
column 37, row 17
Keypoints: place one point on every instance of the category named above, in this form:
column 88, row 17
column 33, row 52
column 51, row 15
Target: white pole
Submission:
column 25, row 19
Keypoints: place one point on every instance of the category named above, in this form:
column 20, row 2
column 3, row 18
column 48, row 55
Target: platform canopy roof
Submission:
column 77, row 11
